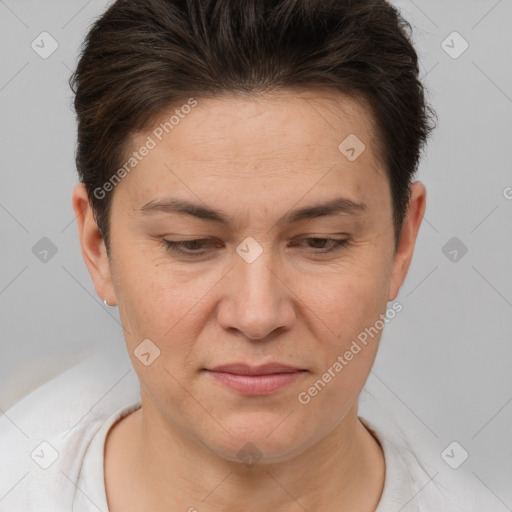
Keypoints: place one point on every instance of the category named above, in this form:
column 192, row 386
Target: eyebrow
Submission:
column 338, row 205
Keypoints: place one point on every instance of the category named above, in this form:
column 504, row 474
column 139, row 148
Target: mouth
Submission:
column 255, row 380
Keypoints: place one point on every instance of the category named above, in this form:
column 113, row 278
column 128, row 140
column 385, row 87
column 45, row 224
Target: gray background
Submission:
column 444, row 363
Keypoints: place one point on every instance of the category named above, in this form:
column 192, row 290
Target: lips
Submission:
column 255, row 380
column 244, row 369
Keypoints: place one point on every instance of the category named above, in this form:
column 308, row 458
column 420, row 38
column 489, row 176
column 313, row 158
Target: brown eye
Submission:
column 187, row 247
column 333, row 244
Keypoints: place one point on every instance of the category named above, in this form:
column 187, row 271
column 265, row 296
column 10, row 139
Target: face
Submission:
column 261, row 274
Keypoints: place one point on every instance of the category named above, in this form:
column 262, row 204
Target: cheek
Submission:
column 153, row 295
column 353, row 305
column 354, row 299
column 159, row 300
column 346, row 357
column 362, row 301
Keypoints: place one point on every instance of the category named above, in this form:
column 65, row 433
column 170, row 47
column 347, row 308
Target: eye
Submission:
column 186, row 247
column 199, row 247
column 335, row 244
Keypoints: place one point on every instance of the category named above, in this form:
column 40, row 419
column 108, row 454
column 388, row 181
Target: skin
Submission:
column 255, row 158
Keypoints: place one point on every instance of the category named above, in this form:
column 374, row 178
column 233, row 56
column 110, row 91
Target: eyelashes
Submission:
column 188, row 248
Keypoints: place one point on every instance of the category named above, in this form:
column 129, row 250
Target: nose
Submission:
column 257, row 301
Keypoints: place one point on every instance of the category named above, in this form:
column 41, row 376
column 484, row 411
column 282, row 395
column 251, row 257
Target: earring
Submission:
column 106, row 303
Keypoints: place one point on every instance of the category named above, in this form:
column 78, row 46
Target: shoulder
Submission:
column 420, row 459
column 44, row 437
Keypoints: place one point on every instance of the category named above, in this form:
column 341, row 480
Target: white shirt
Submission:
column 72, row 413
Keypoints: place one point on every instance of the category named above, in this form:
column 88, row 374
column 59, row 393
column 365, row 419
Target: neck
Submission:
column 166, row 469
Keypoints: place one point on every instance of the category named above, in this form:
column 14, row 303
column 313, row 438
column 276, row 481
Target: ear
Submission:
column 93, row 246
column 409, row 233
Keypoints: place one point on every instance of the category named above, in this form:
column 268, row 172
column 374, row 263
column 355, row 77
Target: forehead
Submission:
column 277, row 121
column 271, row 147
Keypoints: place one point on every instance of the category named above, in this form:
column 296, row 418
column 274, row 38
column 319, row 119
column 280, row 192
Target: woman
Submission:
column 247, row 201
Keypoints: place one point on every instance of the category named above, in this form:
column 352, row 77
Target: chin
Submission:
column 261, row 439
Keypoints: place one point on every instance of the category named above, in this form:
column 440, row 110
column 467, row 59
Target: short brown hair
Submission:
column 141, row 57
